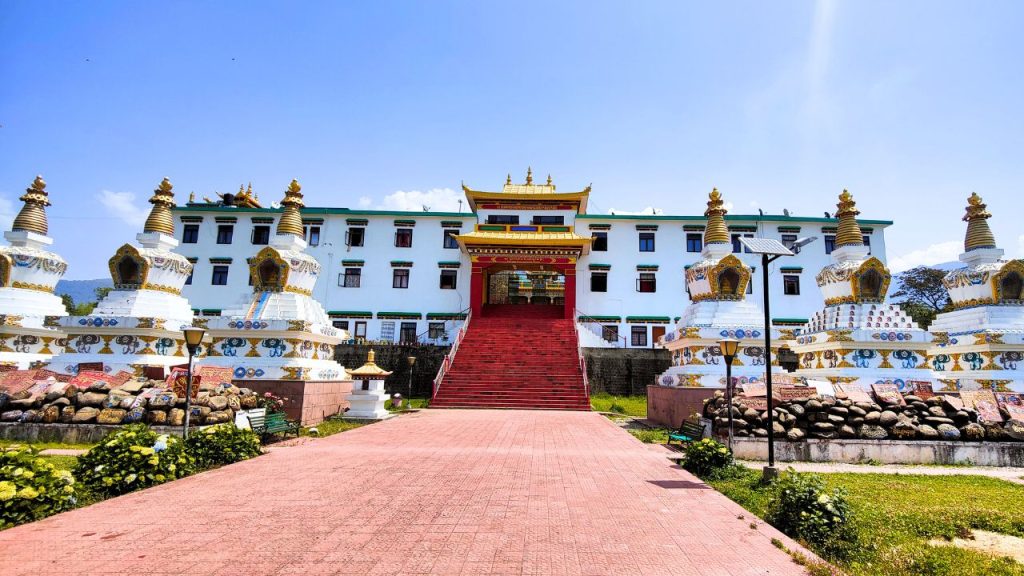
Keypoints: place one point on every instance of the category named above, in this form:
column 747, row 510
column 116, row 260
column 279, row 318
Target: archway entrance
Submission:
column 526, row 287
column 548, row 288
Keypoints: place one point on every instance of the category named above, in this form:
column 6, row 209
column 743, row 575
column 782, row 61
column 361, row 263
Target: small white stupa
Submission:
column 138, row 324
column 980, row 343
column 280, row 332
column 857, row 337
column 28, row 274
column 718, row 309
column 368, row 395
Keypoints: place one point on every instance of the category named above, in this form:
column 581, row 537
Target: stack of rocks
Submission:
column 149, row 401
column 826, row 417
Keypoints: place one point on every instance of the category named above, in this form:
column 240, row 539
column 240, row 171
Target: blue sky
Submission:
column 910, row 105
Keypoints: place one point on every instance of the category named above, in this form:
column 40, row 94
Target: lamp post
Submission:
column 193, row 338
column 411, row 360
column 729, row 346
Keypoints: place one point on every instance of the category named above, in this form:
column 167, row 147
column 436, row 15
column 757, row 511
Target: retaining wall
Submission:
column 884, row 451
column 625, row 371
column 670, row 406
column 67, row 433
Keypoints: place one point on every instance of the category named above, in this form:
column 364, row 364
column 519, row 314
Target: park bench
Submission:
column 689, row 431
column 274, row 423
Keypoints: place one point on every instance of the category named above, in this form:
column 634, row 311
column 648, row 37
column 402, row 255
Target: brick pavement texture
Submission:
column 436, row 492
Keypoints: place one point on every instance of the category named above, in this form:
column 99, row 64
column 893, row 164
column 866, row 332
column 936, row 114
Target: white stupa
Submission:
column 137, row 324
column 280, row 332
column 29, row 309
column 980, row 343
column 857, row 337
column 718, row 309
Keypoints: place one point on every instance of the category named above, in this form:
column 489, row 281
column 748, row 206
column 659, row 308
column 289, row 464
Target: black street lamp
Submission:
column 729, row 347
column 411, row 360
column 193, row 338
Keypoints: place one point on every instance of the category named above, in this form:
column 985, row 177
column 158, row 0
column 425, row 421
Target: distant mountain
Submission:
column 82, row 291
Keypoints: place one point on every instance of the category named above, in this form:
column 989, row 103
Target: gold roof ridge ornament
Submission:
column 716, row 231
column 529, row 176
column 849, row 232
column 160, row 218
column 291, row 219
column 32, row 217
column 369, row 370
column 979, row 235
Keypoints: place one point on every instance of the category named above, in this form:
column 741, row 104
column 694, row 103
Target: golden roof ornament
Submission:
column 370, row 370
column 979, row 235
column 160, row 219
column 529, row 176
column 849, row 233
column 716, row 231
column 191, row 197
column 32, row 217
column 508, row 181
column 291, row 219
column 549, row 181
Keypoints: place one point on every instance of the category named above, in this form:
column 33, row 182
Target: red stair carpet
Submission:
column 516, row 356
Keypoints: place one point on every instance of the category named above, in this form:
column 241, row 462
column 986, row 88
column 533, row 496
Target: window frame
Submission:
column 791, row 284
column 216, row 272
column 600, row 243
column 737, row 246
column 403, row 233
column 406, row 328
column 454, row 275
column 190, row 234
column 788, row 240
column 643, row 238
column 604, row 281
column 694, row 242
column 830, row 243
column 225, row 230
column 264, row 239
column 311, row 232
column 396, row 275
column 435, row 330
column 356, row 273
column 634, row 332
column 649, row 277
column 361, row 235
column 449, row 242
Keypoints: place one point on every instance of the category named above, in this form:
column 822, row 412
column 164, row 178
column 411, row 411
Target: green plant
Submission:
column 707, row 457
column 272, row 402
column 222, row 444
column 131, row 458
column 650, row 436
column 804, row 508
column 32, row 488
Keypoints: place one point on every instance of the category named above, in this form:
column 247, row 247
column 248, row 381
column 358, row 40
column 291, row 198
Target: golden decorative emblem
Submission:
column 31, row 286
column 32, row 217
column 160, row 219
column 129, row 268
column 979, row 235
column 849, row 233
column 716, row 231
column 291, row 218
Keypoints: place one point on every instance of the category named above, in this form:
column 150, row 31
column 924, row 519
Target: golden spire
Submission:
column 979, row 235
column 32, row 217
column 191, row 197
column 160, row 219
column 291, row 219
column 549, row 180
column 849, row 233
column 508, row 181
column 716, row 231
column 248, row 192
column 241, row 190
column 529, row 176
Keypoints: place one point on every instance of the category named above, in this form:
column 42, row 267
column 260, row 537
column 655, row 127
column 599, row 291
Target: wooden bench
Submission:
column 689, row 431
column 274, row 423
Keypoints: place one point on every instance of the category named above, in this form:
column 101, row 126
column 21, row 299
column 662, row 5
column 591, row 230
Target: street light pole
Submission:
column 411, row 360
column 193, row 338
column 729, row 347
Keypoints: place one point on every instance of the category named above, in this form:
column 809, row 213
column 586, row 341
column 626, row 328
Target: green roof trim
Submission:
column 446, row 316
column 791, row 269
column 400, row 315
column 789, row 321
column 585, row 318
column 728, row 217
column 648, row 320
column 349, row 314
column 600, row 226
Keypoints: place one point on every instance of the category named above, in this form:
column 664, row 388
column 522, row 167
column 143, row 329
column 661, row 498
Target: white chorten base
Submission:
column 367, row 400
column 172, row 309
column 30, row 306
column 724, row 314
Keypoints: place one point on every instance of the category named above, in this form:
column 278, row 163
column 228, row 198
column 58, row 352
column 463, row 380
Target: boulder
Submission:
column 873, row 432
column 222, row 416
column 131, row 387
column 847, row 431
column 937, row 411
column 918, row 405
column 797, row 410
column 751, row 415
column 948, row 432
column 90, row 399
column 813, row 405
column 100, row 387
column 85, row 414
column 115, row 398
column 827, row 401
column 927, row 432
column 760, row 432
column 994, row 431
column 164, row 401
column 67, row 414
column 872, row 417
column 796, row 434
column 973, row 431
column 935, row 420
column 856, row 421
column 903, row 430
column 857, row 411
column 819, row 427
column 248, row 401
column 934, row 401
column 909, row 398
column 199, row 414
column 778, row 429
column 837, row 420
column 61, row 402
column 50, row 414
column 11, row 415
column 839, row 411
column 111, row 416
column 217, row 403
column 156, row 417
column 961, row 417
column 29, row 416
column 865, row 406
column 1014, row 429
column 888, row 418
column 136, row 414
column 175, row 417
column 233, row 402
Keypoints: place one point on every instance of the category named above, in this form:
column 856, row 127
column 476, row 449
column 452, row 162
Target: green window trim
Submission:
column 405, row 222
column 789, row 321
column 693, row 228
column 791, row 269
column 445, row 316
column 829, row 229
column 742, row 228
column 192, row 219
column 449, row 264
column 600, row 266
column 349, row 314
column 600, row 226
column 261, row 220
column 220, row 260
column 225, row 219
column 357, row 221
column 648, row 320
column 451, row 224
column 401, row 264
column 555, row 229
column 491, row 227
column 647, row 227
column 647, row 267
column 615, row 319
column 352, row 263
column 192, row 259
column 400, row 315
column 312, row 221
column 210, row 310
column 789, row 229
column 867, row 230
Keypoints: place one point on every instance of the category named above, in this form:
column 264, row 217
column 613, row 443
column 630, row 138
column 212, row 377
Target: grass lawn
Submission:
column 415, row 404
column 43, row 445
column 896, row 515
column 333, row 426
column 635, row 406
column 63, row 462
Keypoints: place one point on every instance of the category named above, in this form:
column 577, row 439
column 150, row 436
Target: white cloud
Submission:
column 7, row 213
column 436, row 199
column 122, row 205
column 930, row 255
column 365, row 201
column 649, row 211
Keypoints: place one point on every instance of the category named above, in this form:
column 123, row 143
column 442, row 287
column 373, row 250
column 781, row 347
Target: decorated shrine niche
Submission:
column 1010, row 284
column 871, row 285
column 128, row 268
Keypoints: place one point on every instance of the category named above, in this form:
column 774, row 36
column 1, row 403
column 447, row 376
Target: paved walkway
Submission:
column 438, row 492
column 1009, row 473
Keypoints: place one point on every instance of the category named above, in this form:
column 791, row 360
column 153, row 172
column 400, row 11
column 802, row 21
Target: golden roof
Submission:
column 291, row 219
column 483, row 238
column 32, row 217
column 527, row 191
column 370, row 370
column 160, row 219
column 849, row 233
column 979, row 235
column 716, row 231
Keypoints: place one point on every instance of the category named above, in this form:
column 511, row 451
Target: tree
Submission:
column 83, row 309
column 921, row 294
column 102, row 292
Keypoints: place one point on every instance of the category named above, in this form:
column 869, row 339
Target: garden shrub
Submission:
column 707, row 458
column 220, row 445
column 32, row 488
column 131, row 458
column 804, row 508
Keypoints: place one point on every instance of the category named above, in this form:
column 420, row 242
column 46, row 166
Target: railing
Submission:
column 449, row 358
column 582, row 318
column 580, row 355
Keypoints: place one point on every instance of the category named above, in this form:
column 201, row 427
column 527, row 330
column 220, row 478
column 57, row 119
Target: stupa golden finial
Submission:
column 549, row 180
column 529, row 176
column 508, row 180
column 849, row 232
column 160, row 219
column 32, row 217
column 191, row 197
column 716, row 232
column 979, row 235
column 241, row 190
column 291, row 219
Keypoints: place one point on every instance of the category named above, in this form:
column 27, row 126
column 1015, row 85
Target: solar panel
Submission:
column 766, row 246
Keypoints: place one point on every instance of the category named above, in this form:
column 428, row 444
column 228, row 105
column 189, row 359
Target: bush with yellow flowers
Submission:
column 131, row 458
column 32, row 488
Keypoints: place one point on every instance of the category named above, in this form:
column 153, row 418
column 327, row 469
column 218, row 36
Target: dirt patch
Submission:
column 986, row 542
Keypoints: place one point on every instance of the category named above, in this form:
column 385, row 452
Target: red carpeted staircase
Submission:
column 516, row 356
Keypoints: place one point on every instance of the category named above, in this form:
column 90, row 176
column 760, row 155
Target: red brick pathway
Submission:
column 438, row 492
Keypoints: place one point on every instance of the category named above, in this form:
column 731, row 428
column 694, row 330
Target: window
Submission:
column 610, row 332
column 354, row 236
column 694, row 242
column 788, row 240
column 449, row 278
column 312, row 234
column 600, row 242
column 360, row 330
column 400, row 278
column 188, row 280
column 646, row 282
column 830, row 243
column 599, row 282
column 791, row 284
column 220, row 276
column 261, row 235
column 224, row 233
column 867, row 242
column 638, row 336
column 738, row 246
column 387, row 331
column 191, row 234
column 435, row 330
column 408, row 333
column 350, row 278
column 548, row 220
column 502, row 219
column 340, row 324
column 647, row 241
column 403, row 238
column 449, row 239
